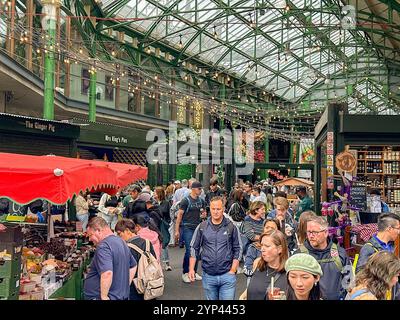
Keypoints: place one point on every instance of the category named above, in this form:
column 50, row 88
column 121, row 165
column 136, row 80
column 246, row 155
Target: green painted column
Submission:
column 92, row 96
column 49, row 23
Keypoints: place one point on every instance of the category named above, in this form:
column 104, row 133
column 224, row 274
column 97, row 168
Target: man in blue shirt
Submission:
column 388, row 231
column 113, row 266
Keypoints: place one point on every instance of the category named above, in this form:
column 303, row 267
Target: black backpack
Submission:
column 237, row 212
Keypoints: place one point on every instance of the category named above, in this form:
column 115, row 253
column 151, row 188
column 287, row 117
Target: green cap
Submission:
column 303, row 262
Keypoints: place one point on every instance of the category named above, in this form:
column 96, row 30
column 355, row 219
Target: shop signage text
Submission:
column 115, row 139
column 40, row 126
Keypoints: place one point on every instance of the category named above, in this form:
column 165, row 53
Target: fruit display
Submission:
column 55, row 247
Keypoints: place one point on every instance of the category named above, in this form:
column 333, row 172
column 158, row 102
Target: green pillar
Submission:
column 92, row 96
column 49, row 25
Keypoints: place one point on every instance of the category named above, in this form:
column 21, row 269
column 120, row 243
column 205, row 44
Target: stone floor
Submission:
column 176, row 289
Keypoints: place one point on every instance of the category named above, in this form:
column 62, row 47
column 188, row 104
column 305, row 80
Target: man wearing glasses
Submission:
column 333, row 259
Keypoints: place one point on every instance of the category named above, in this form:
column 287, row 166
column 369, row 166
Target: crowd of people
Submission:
column 284, row 248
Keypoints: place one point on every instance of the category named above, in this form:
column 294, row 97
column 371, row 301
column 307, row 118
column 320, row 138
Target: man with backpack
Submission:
column 336, row 267
column 140, row 249
column 388, row 232
column 192, row 210
column 217, row 242
column 383, row 240
column 112, row 268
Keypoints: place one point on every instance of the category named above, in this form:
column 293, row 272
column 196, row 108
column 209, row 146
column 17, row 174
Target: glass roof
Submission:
column 271, row 47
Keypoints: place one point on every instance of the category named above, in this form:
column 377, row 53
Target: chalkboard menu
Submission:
column 359, row 197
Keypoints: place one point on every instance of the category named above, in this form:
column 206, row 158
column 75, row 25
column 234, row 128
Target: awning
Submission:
column 295, row 182
column 57, row 179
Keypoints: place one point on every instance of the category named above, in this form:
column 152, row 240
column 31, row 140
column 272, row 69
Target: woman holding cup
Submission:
column 269, row 268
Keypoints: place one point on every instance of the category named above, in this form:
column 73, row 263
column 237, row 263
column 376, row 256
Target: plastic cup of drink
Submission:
column 275, row 295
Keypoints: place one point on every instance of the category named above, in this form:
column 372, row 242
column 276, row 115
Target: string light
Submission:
column 180, row 42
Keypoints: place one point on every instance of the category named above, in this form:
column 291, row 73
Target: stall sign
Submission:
column 329, row 160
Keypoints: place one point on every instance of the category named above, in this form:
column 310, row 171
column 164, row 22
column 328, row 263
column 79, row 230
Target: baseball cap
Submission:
column 196, row 184
column 177, row 181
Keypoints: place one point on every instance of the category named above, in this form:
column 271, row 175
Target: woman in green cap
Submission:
column 303, row 273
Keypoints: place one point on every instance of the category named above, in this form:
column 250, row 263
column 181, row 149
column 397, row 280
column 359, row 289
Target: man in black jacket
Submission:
column 215, row 191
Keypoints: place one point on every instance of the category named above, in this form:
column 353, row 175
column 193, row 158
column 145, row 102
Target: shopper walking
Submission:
column 214, row 191
column 82, row 209
column 164, row 207
column 113, row 266
column 236, row 211
column 218, row 241
column 303, row 274
column 146, row 229
column 109, row 209
column 377, row 279
column 191, row 212
column 253, row 224
column 288, row 224
column 388, row 232
column 274, row 254
column 336, row 267
column 305, row 204
column 126, row 230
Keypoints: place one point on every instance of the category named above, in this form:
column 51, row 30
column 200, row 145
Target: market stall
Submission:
column 33, row 267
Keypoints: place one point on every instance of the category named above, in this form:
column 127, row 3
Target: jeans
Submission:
column 84, row 218
column 172, row 233
column 220, row 287
column 187, row 234
column 164, row 254
column 181, row 239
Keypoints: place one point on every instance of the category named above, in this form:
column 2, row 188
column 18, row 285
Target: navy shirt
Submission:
column 112, row 254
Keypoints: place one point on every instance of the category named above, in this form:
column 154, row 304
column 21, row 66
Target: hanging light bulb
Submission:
column 180, row 42
column 215, row 32
column 113, row 52
column 80, row 50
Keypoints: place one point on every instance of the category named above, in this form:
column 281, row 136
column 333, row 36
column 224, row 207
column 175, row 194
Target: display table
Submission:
column 73, row 287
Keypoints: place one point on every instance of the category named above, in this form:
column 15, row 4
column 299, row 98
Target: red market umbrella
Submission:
column 56, row 179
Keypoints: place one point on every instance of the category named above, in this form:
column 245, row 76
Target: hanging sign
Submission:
column 345, row 161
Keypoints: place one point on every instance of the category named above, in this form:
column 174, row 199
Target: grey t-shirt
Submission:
column 112, row 254
column 191, row 211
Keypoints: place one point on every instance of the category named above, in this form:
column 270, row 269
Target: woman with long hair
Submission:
column 377, row 278
column 274, row 254
column 301, row 233
column 303, row 273
column 164, row 208
column 254, row 250
column 236, row 211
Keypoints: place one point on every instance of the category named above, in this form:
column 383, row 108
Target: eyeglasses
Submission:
column 314, row 233
column 397, row 228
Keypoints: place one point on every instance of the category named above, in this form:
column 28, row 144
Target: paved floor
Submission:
column 176, row 289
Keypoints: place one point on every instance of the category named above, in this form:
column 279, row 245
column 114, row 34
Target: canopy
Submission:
column 56, row 179
column 295, row 182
